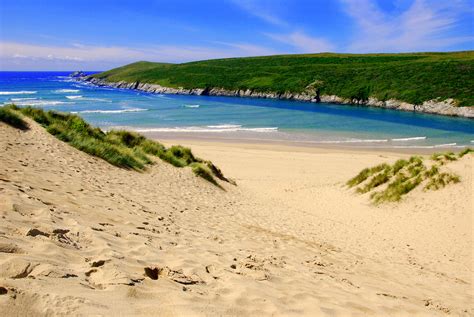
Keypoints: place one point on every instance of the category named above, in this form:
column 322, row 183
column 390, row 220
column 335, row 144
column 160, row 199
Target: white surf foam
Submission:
column 444, row 145
column 112, row 111
column 21, row 92
column 96, row 99
column 409, row 139
column 72, row 91
column 22, row 99
column 225, row 126
column 43, row 103
column 73, row 97
column 354, row 141
column 210, row 129
column 191, row 106
column 451, row 145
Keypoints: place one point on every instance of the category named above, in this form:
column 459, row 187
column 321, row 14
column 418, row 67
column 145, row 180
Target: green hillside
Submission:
column 411, row 77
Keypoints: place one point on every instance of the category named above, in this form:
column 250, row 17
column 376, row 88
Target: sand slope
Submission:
column 77, row 235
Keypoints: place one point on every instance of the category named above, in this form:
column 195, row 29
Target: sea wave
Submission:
column 409, row 139
column 210, row 129
column 451, row 145
column 225, row 126
column 73, row 91
column 191, row 106
column 22, row 99
column 352, row 141
column 21, row 92
column 445, row 145
column 112, row 111
column 96, row 99
column 42, row 103
column 73, row 97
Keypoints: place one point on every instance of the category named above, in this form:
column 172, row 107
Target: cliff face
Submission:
column 446, row 107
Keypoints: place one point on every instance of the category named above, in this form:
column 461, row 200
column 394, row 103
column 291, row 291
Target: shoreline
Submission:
column 444, row 108
column 288, row 146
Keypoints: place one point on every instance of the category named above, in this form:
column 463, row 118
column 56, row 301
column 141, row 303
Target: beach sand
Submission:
column 81, row 237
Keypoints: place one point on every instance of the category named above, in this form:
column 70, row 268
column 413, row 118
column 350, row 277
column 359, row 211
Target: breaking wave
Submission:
column 43, row 103
column 73, row 91
column 22, row 99
column 112, row 111
column 410, row 139
column 210, row 129
column 21, row 92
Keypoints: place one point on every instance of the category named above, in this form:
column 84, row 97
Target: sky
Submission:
column 102, row 34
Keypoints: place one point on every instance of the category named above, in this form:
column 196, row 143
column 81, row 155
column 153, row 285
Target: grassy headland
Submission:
column 411, row 77
column 118, row 147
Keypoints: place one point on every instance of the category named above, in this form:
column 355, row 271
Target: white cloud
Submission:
column 303, row 43
column 423, row 26
column 300, row 42
column 250, row 49
column 254, row 8
column 15, row 55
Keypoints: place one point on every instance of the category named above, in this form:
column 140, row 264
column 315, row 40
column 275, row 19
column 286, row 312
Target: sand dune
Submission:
column 81, row 237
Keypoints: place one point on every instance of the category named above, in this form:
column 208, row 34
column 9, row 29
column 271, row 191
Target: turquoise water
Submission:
column 236, row 118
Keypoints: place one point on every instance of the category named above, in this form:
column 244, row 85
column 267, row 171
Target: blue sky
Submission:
column 98, row 35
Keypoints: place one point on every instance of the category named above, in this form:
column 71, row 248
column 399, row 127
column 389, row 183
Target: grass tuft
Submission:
column 396, row 189
column 465, row 151
column 404, row 176
column 366, row 173
column 441, row 180
column 201, row 170
column 444, row 158
column 12, row 118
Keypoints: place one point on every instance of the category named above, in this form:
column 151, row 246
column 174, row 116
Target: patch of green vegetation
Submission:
column 10, row 117
column 443, row 158
column 404, row 176
column 465, row 151
column 441, row 180
column 410, row 77
column 366, row 173
column 203, row 171
column 118, row 147
column 402, row 185
column 378, row 179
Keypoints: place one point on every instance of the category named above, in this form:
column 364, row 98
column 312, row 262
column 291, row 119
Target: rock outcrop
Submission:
column 441, row 107
column 77, row 74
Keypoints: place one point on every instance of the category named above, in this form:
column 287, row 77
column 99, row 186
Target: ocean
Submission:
column 235, row 118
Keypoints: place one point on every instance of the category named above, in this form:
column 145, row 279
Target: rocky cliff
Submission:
column 442, row 107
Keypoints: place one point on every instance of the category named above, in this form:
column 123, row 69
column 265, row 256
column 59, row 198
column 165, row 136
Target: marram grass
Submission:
column 121, row 148
column 400, row 178
column 11, row 118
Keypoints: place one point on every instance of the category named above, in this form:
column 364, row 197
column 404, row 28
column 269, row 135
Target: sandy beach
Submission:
column 79, row 236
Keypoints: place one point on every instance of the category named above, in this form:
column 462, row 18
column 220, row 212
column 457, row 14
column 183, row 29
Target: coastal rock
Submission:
column 446, row 107
column 77, row 74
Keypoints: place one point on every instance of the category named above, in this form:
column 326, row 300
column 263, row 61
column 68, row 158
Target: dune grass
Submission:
column 121, row 148
column 11, row 118
column 403, row 176
column 465, row 151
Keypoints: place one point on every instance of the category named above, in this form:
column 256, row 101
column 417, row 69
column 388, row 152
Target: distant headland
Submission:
column 439, row 83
